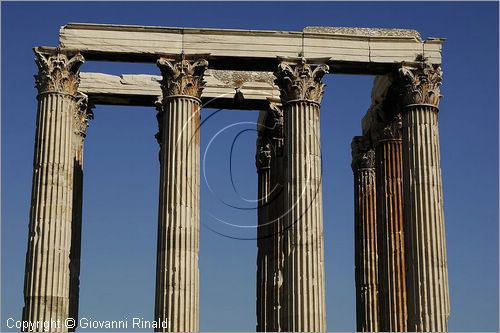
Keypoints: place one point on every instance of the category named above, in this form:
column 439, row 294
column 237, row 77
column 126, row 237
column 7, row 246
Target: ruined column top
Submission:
column 363, row 154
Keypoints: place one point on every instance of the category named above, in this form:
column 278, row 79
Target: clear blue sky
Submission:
column 122, row 170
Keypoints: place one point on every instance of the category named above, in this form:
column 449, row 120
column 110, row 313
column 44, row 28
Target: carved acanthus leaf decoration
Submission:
column 237, row 79
column 182, row 77
column 300, row 81
column 363, row 154
column 365, row 32
column 420, row 85
column 58, row 72
column 275, row 116
column 159, row 118
column 393, row 129
column 82, row 114
column 275, row 126
column 263, row 156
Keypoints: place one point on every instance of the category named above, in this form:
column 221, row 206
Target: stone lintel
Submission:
column 369, row 50
column 219, row 91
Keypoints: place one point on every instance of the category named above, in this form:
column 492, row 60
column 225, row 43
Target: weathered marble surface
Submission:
column 220, row 89
column 350, row 50
column 365, row 235
column 365, row 32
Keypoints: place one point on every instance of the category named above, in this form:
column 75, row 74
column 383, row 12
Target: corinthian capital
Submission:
column 392, row 130
column 363, row 154
column 82, row 115
column 57, row 72
column 275, row 116
column 421, row 84
column 182, row 77
column 263, row 156
column 159, row 118
column 300, row 81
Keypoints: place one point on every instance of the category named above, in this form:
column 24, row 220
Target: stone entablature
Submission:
column 219, row 89
column 370, row 51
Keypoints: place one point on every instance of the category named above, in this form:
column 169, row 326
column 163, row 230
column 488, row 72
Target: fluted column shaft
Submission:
column 177, row 285
column 264, row 236
column 303, row 285
column 303, row 240
column 80, row 119
column 47, row 276
column 269, row 163
column 277, row 218
column 365, row 237
column 427, row 273
column 390, row 222
column 177, row 273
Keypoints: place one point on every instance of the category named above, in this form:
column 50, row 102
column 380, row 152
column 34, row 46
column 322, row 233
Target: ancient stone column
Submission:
column 47, row 275
column 270, row 209
column 390, row 224
column 365, row 235
column 264, row 234
column 177, row 273
column 303, row 271
column 81, row 118
column 427, row 272
column 277, row 204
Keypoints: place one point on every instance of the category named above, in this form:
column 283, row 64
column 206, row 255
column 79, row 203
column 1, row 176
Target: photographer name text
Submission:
column 58, row 324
